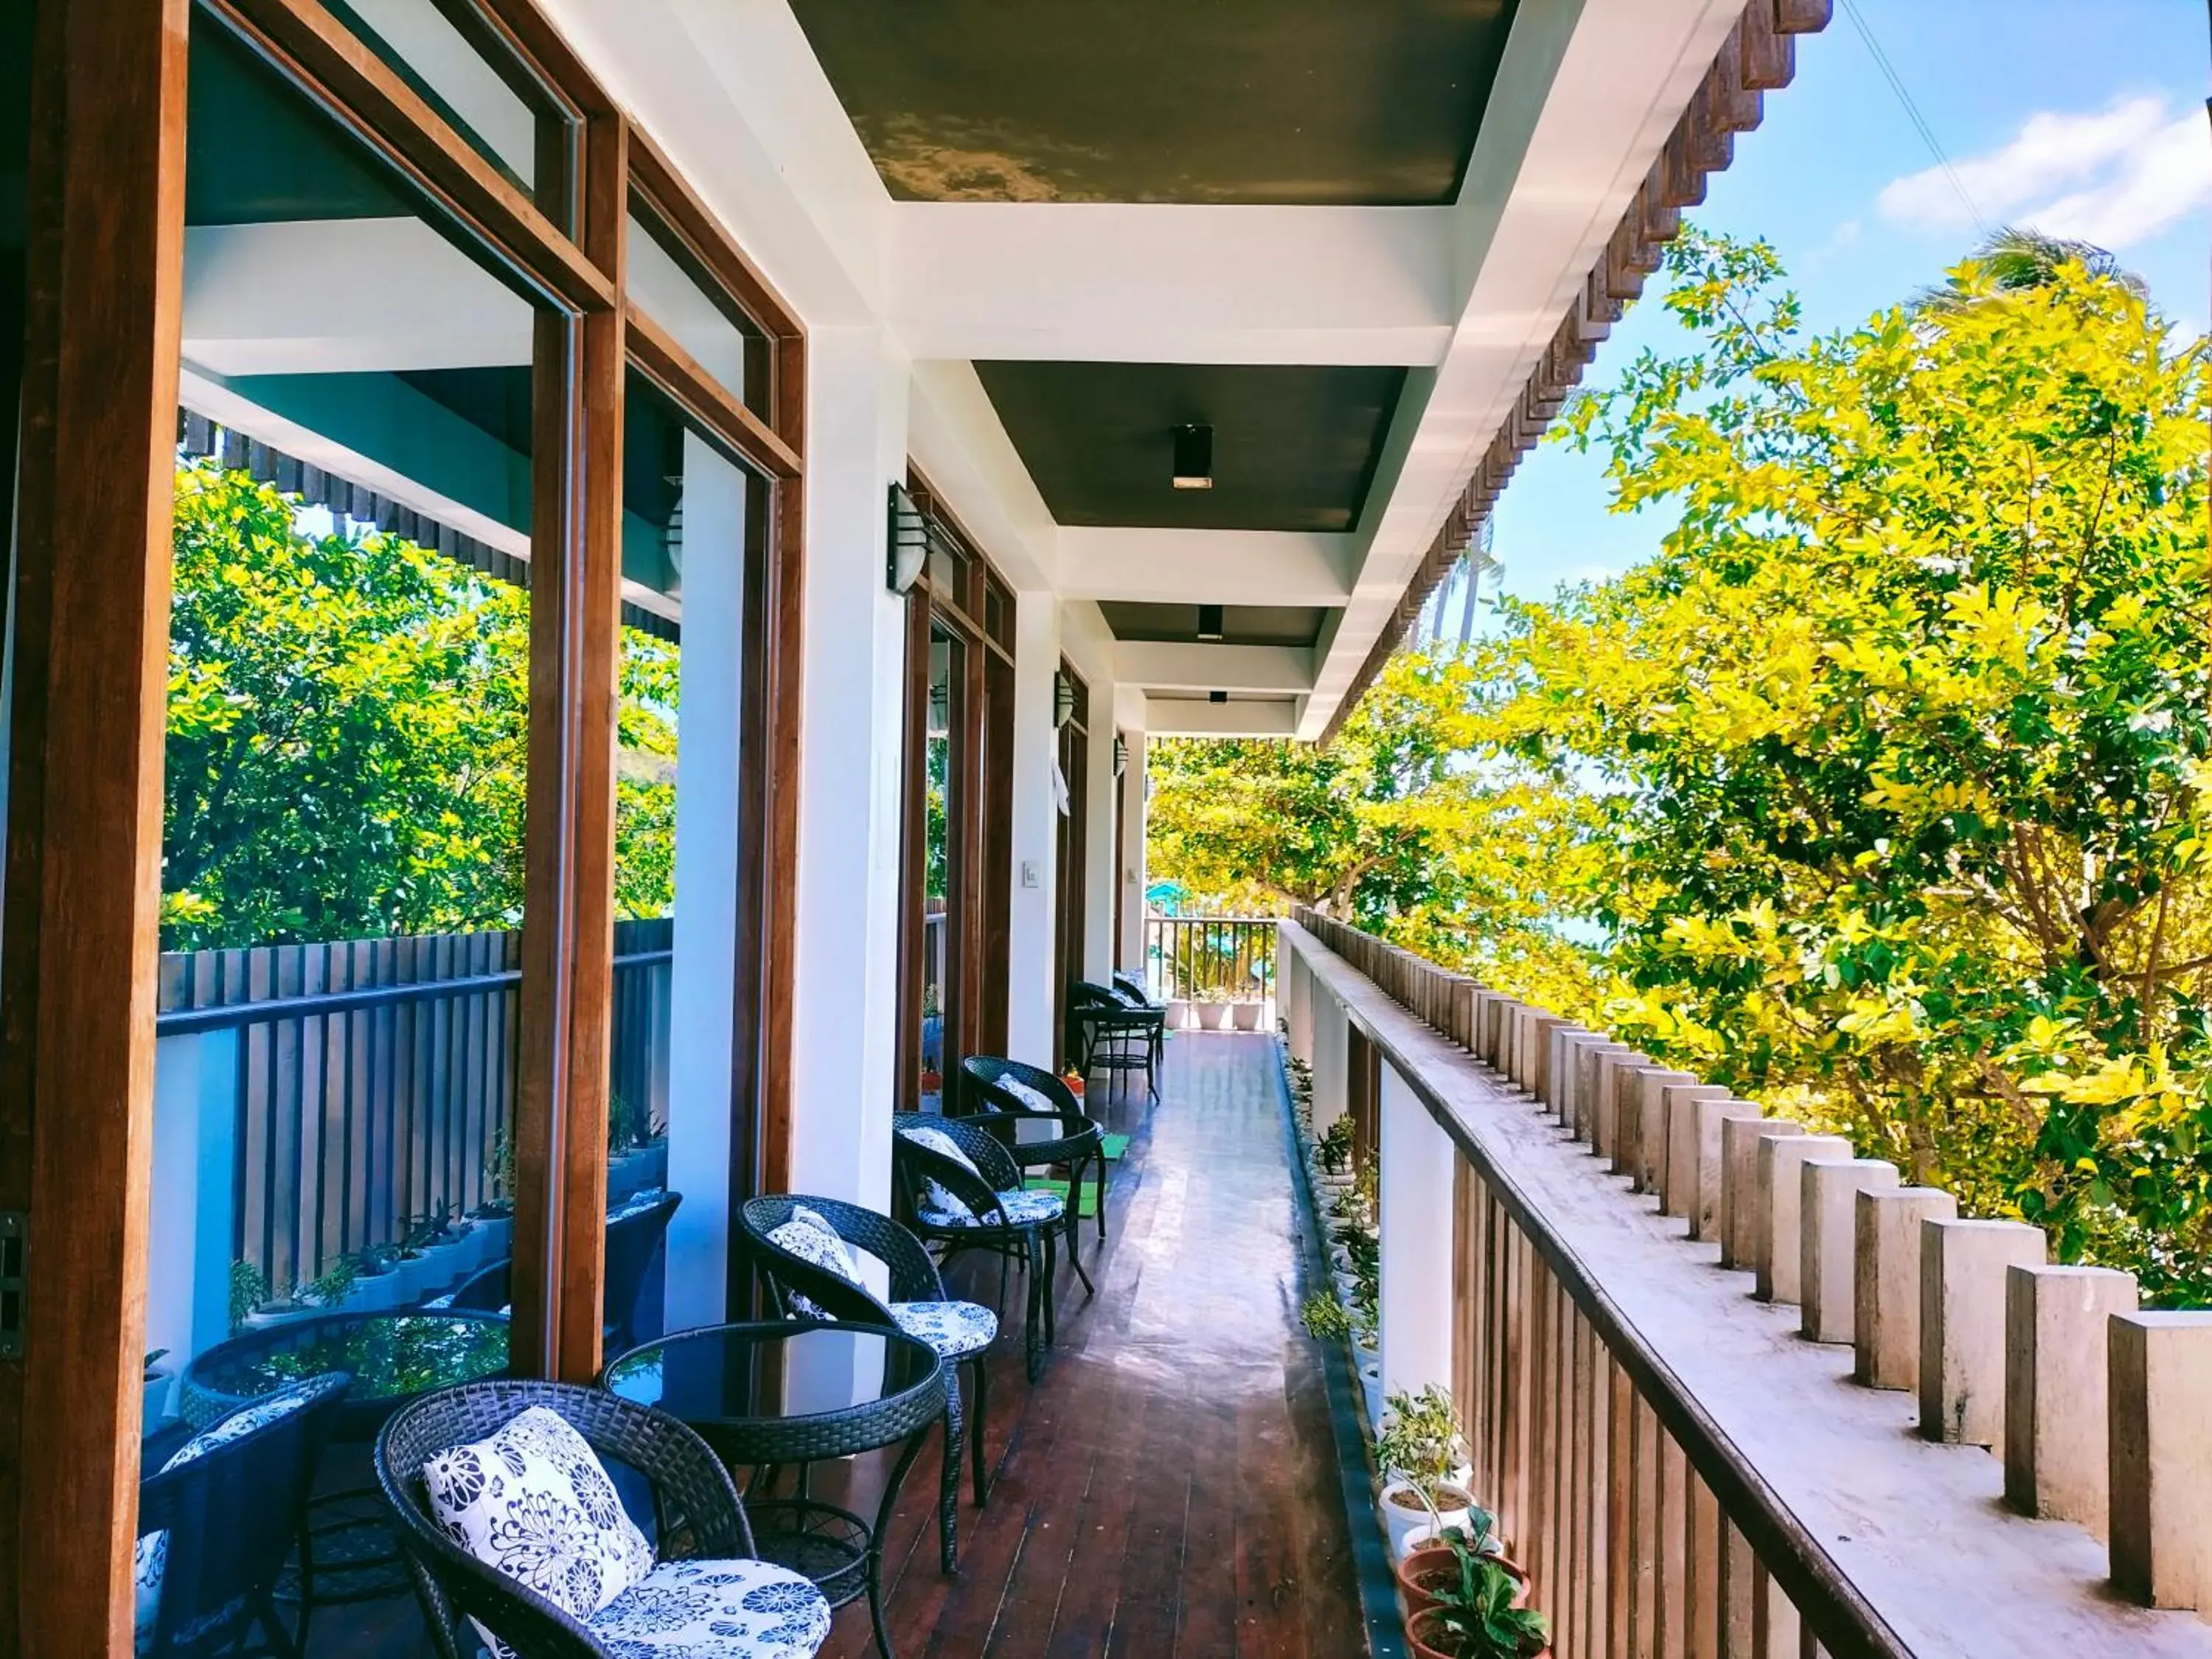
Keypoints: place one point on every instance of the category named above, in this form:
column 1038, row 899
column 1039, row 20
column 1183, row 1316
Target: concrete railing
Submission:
column 1732, row 1390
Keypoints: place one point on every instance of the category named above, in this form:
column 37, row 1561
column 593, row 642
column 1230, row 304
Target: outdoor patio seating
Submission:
column 1005, row 1095
column 964, row 1191
column 1105, row 1034
column 804, row 1281
column 694, row 1591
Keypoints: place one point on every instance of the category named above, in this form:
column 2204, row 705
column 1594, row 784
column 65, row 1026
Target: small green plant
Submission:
column 499, row 1173
column 433, row 1226
column 1421, row 1443
column 1336, row 1145
column 335, row 1282
column 1325, row 1319
column 249, row 1291
column 626, row 1126
column 1475, row 1617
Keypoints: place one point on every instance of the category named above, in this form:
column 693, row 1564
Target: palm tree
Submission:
column 2016, row 259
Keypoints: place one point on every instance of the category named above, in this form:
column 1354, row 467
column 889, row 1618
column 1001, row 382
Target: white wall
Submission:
column 1031, row 917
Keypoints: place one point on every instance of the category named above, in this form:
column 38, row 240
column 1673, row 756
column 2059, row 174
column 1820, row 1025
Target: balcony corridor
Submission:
column 1170, row 1487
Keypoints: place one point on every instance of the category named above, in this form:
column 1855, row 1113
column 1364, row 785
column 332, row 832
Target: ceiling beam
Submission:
column 1162, row 282
column 1206, row 567
column 1195, row 717
column 1173, row 666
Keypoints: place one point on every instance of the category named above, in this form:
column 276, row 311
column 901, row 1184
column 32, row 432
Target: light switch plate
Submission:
column 1029, row 872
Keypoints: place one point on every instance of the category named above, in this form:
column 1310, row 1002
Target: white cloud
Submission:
column 2114, row 178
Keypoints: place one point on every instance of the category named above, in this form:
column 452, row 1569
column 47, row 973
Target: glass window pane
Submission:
column 943, row 878
column 668, row 286
column 345, row 771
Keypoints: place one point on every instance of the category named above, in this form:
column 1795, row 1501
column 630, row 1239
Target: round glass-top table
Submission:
column 773, row 1393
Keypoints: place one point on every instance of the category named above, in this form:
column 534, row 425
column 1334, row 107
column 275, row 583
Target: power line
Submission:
column 1912, row 112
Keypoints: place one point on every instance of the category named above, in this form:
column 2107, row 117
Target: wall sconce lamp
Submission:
column 910, row 542
column 1121, row 754
column 1063, row 698
column 1193, row 457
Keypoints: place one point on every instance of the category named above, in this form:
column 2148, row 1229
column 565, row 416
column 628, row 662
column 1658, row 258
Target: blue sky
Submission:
column 2083, row 117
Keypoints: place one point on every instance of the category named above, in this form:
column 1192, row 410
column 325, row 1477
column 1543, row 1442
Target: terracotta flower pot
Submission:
column 1431, row 1561
column 1428, row 1643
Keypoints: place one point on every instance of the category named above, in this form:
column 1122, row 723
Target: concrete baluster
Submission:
column 1650, row 1165
column 1827, row 1259
column 2056, row 1458
column 1739, row 1183
column 1962, row 1325
column 1885, row 1328
column 2160, row 1459
column 1777, row 1236
column 1590, row 1084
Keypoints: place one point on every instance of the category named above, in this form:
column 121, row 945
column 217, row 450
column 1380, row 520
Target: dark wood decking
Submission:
column 1170, row 1487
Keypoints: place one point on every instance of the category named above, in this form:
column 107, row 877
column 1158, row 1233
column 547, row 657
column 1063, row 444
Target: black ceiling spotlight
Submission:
column 1217, row 696
column 1209, row 621
column 910, row 542
column 1193, row 457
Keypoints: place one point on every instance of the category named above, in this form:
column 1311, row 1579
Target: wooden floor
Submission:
column 1170, row 1487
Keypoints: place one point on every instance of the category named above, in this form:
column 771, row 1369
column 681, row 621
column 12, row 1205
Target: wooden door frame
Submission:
column 78, row 955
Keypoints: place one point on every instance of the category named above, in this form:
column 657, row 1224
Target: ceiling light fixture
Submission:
column 1193, row 457
column 1209, row 621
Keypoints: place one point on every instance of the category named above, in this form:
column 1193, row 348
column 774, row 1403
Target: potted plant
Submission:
column 157, row 1378
column 494, row 1217
column 1436, row 1564
column 330, row 1289
column 375, row 1287
column 1178, row 1014
column 1073, row 1079
column 1214, row 1009
column 1326, row 1320
column 1244, row 1013
column 1334, row 1147
column 1423, row 1456
column 1479, row 1615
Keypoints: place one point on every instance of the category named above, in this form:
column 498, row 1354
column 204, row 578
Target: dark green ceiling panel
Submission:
column 1294, row 446
column 1165, row 101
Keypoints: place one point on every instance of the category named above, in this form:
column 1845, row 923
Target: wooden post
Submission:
column 2056, row 1363
column 2160, row 1429
column 1536, row 1070
column 1885, row 1327
column 1589, row 1083
column 1740, row 1138
column 1698, row 1182
column 1777, row 1236
column 1616, row 1082
column 1962, row 1325
column 1828, row 1240
column 1648, row 1139
column 1677, row 1160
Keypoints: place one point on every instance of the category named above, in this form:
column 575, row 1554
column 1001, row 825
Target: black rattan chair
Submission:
column 914, row 1279
column 1105, row 1034
column 227, row 1520
column 634, row 1238
column 487, row 1290
column 1080, row 1142
column 1133, row 991
column 987, row 1190
column 695, row 1511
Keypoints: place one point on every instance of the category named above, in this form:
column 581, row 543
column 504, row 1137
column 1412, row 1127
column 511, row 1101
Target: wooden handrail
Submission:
column 1852, row 1531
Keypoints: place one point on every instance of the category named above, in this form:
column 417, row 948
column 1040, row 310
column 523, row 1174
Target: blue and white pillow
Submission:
column 1031, row 1097
column 149, row 1557
column 809, row 1236
column 534, row 1501
column 937, row 1198
column 715, row 1610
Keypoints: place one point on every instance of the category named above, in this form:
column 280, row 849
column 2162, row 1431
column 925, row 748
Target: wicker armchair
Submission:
column 913, row 1279
column 227, row 1519
column 1028, row 1238
column 633, row 1240
column 1105, row 1034
column 697, row 1513
column 1131, row 990
column 1079, row 1145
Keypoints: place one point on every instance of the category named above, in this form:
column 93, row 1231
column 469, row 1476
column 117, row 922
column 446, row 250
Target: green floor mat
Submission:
column 1113, row 1146
column 1087, row 1207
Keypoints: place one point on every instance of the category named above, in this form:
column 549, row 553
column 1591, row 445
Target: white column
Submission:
column 703, row 965
column 1032, row 938
column 1101, row 863
column 1130, row 859
column 845, row 1017
column 1418, row 1161
column 1332, row 1057
column 188, row 1245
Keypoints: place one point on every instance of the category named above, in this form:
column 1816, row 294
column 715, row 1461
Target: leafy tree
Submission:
column 347, row 734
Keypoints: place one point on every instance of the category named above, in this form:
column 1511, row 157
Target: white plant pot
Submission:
column 1370, row 1385
column 497, row 1232
column 157, row 1400
column 1213, row 1016
column 374, row 1293
column 442, row 1266
column 409, row 1274
column 265, row 1319
column 1491, row 1544
column 1178, row 1013
column 1403, row 1519
column 1246, row 1015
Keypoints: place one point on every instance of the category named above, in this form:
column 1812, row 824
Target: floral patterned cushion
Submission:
column 936, row 1197
column 149, row 1557
column 1035, row 1099
column 534, row 1501
column 715, row 1610
column 809, row 1236
column 953, row 1329
column 1023, row 1208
